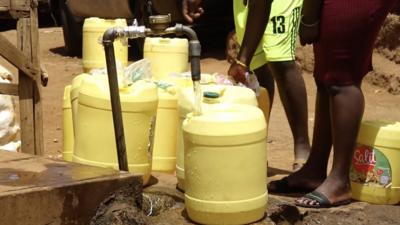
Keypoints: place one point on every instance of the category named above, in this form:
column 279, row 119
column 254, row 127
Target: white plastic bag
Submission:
column 252, row 83
column 9, row 128
column 139, row 70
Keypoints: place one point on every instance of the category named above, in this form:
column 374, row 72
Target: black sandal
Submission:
column 282, row 186
column 317, row 200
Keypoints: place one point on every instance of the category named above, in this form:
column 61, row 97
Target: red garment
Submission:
column 348, row 30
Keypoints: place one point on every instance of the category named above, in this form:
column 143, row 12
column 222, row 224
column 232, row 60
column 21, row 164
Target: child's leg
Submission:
column 279, row 45
column 293, row 95
column 267, row 81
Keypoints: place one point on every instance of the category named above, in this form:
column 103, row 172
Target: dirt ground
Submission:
column 380, row 104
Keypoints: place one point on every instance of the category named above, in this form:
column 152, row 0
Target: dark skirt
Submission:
column 348, row 30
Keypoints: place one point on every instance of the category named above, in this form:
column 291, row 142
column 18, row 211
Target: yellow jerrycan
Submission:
column 68, row 132
column 94, row 137
column 225, row 165
column 93, row 56
column 164, row 150
column 166, row 55
column 375, row 170
column 70, row 106
column 263, row 102
column 225, row 94
column 75, row 87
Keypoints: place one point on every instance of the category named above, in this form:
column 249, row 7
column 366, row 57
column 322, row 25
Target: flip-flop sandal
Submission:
column 282, row 186
column 298, row 163
column 317, row 200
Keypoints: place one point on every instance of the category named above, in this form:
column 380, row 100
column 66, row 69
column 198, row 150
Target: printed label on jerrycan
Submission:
column 370, row 167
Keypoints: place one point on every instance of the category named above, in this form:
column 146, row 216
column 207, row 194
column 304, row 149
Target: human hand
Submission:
column 191, row 10
column 309, row 33
column 238, row 73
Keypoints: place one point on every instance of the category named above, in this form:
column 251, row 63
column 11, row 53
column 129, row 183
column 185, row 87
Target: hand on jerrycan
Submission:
column 241, row 75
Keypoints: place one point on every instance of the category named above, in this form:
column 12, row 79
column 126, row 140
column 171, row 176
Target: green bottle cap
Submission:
column 210, row 94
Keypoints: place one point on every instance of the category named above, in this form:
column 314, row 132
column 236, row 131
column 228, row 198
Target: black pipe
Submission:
column 108, row 41
column 194, row 49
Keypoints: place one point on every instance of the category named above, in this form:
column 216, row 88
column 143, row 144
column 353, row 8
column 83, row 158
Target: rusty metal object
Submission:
column 159, row 22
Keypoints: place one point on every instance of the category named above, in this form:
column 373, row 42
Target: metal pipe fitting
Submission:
column 132, row 32
column 108, row 42
column 194, row 49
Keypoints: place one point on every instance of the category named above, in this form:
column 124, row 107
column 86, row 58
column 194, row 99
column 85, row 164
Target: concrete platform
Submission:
column 41, row 191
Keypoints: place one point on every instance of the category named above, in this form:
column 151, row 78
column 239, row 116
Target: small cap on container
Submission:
column 210, row 94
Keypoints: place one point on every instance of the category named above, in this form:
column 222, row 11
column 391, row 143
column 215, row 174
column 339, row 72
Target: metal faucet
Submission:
column 159, row 25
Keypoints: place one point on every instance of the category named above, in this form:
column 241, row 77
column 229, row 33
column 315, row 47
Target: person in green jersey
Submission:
column 267, row 32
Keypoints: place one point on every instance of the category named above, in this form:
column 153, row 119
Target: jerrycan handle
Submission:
column 164, row 41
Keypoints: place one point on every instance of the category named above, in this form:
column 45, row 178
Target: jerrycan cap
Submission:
column 210, row 94
column 210, row 97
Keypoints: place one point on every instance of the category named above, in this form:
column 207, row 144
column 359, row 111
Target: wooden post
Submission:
column 30, row 75
column 29, row 90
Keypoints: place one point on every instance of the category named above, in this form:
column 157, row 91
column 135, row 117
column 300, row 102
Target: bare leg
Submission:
column 322, row 137
column 267, row 81
column 346, row 107
column 293, row 95
column 313, row 173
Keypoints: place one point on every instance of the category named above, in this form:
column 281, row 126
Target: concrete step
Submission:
column 40, row 191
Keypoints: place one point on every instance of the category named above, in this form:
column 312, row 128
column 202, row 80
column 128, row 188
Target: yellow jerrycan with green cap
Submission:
column 93, row 56
column 94, row 136
column 213, row 95
column 68, row 133
column 375, row 169
column 226, row 165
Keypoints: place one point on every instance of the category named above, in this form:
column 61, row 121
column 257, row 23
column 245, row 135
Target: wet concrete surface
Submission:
column 40, row 191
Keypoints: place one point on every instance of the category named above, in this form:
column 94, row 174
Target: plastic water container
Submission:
column 164, row 150
column 93, row 56
column 74, row 93
column 225, row 165
column 68, row 132
column 263, row 102
column 94, row 136
column 375, row 171
column 167, row 55
column 226, row 94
